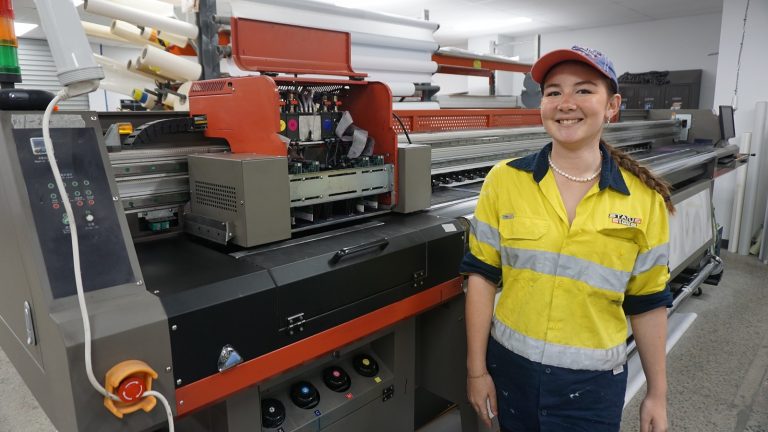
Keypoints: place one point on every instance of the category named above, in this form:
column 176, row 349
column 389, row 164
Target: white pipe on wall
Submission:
column 738, row 200
column 759, row 136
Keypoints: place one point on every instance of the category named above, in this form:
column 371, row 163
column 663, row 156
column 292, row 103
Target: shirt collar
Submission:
column 537, row 163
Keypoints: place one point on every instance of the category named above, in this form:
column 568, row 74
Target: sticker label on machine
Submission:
column 35, row 121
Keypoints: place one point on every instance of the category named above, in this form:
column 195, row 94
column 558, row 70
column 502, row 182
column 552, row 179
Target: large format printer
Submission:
column 272, row 281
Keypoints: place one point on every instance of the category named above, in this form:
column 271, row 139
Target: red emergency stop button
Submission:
column 131, row 389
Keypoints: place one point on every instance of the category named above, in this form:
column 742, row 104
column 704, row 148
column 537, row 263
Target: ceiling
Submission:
column 462, row 19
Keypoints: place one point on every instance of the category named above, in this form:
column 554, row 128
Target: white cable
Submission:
column 166, row 405
column 60, row 96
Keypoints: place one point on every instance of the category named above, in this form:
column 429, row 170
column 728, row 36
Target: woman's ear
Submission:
column 614, row 104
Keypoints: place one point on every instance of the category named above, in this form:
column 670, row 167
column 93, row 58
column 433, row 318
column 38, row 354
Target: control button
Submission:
column 91, row 202
column 79, row 203
column 65, row 219
column 131, row 389
column 86, row 182
column 88, row 192
column 54, row 196
column 89, row 218
column 272, row 413
column 77, row 193
column 547, row 370
column 75, row 184
column 365, row 365
column 51, row 185
column 336, row 379
column 304, row 395
column 56, row 206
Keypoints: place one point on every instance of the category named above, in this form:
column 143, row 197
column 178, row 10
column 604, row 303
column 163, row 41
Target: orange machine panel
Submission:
column 244, row 111
column 272, row 47
column 464, row 119
column 209, row 390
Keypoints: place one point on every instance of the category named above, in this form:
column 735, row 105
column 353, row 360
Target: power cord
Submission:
column 408, row 137
column 63, row 94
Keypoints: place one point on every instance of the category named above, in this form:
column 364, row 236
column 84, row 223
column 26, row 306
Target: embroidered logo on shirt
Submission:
column 508, row 216
column 624, row 220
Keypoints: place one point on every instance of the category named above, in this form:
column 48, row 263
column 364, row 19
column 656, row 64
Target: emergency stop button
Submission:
column 129, row 381
column 131, row 389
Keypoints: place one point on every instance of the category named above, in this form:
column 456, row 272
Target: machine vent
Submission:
column 448, row 123
column 216, row 195
column 208, row 86
column 454, row 120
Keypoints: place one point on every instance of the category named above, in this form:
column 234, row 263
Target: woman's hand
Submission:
column 481, row 389
column 653, row 414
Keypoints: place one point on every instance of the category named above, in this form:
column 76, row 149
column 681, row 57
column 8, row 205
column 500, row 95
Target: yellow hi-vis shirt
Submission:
column 566, row 288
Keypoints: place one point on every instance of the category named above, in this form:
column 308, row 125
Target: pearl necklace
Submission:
column 570, row 177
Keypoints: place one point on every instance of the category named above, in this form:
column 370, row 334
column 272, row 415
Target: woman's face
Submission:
column 575, row 104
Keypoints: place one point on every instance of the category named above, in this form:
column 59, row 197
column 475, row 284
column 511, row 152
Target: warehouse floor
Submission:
column 718, row 371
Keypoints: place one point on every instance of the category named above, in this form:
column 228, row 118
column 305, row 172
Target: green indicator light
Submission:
column 9, row 60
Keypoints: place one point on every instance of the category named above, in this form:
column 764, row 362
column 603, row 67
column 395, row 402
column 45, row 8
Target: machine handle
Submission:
column 379, row 244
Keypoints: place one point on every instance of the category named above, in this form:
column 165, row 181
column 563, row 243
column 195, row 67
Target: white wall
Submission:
column 671, row 44
column 752, row 88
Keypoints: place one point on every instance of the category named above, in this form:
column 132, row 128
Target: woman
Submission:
column 576, row 235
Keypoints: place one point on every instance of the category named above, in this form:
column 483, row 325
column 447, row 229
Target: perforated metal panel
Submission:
column 219, row 196
column 464, row 119
column 210, row 86
column 38, row 72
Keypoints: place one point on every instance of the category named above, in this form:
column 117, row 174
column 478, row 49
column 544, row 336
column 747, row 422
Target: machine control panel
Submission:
column 102, row 247
column 326, row 394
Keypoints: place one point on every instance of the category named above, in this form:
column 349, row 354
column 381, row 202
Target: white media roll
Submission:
column 100, row 31
column 153, row 35
column 135, row 66
column 738, row 200
column 367, row 63
column 401, row 88
column 170, row 65
column 405, row 106
column 175, row 102
column 110, row 63
column 124, row 82
column 140, row 17
column 128, row 31
column 152, row 6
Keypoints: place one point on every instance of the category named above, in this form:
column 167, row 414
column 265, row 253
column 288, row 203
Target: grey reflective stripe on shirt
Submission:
column 555, row 264
column 558, row 355
column 652, row 258
column 485, row 233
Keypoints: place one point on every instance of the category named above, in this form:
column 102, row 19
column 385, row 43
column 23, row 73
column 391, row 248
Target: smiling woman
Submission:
column 577, row 237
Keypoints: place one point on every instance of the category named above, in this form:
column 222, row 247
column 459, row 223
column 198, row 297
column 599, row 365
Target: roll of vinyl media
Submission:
column 153, row 35
column 129, row 32
column 100, row 31
column 140, row 17
column 169, row 65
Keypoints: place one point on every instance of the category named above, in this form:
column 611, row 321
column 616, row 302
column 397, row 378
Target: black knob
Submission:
column 305, row 395
column 365, row 365
column 272, row 413
column 337, row 379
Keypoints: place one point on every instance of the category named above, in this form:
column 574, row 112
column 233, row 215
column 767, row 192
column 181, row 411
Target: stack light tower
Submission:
column 10, row 73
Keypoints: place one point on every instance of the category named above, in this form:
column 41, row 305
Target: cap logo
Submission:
column 600, row 60
column 595, row 54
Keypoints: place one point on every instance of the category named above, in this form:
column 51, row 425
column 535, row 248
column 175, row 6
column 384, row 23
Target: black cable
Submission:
column 408, row 137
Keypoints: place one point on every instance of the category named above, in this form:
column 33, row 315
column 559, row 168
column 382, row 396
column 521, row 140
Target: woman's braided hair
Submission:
column 644, row 174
